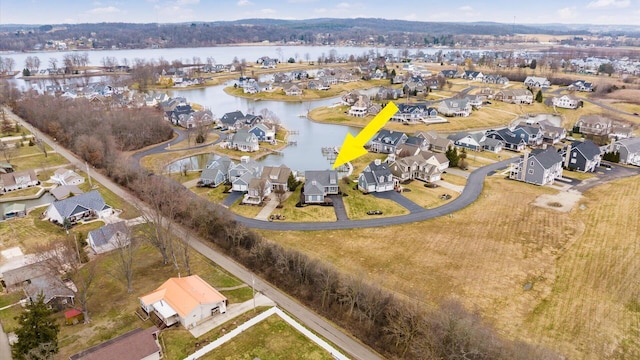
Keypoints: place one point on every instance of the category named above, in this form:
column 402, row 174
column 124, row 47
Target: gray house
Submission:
column 539, row 167
column 386, row 141
column 216, row 172
column 629, row 150
column 376, row 177
column 583, row 156
column 109, row 237
column 319, row 184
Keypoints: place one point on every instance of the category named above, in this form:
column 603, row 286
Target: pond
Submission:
column 43, row 200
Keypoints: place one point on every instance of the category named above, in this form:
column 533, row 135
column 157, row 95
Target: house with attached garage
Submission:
column 514, row 96
column 278, row 176
column 593, row 125
column 64, row 176
column 80, row 207
column 257, row 191
column 241, row 174
column 536, row 81
column 109, row 237
column 566, row 102
column 511, row 141
column 292, row 89
column 471, row 141
column 319, row 184
column 386, row 141
column 264, row 132
column 437, row 159
column 413, row 168
column 18, row 180
column 216, row 171
column 236, row 119
column 196, row 119
column 532, row 135
column 415, row 113
column 185, row 300
column 629, row 150
column 495, row 79
column 455, row 107
column 376, row 177
column 551, row 134
column 583, row 156
column 540, row 167
column 473, row 75
column 244, row 140
column 436, row 141
column 581, row 85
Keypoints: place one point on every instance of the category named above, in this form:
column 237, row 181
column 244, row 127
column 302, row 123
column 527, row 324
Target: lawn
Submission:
column 357, row 204
column 306, row 213
column 179, row 343
column 112, row 309
column 271, row 338
column 211, row 137
column 248, row 211
column 29, row 192
column 482, row 255
column 427, row 197
column 28, row 231
column 454, row 179
column 215, row 195
column 37, row 161
column 158, row 162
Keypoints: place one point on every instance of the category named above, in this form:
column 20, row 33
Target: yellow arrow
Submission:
column 353, row 147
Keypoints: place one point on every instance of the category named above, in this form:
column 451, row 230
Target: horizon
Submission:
column 543, row 12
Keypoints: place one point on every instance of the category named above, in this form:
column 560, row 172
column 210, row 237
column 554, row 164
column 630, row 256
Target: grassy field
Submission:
column 249, row 211
column 454, row 179
column 581, row 265
column 271, row 338
column 215, row 195
column 37, row 161
column 159, row 162
column 211, row 137
column 427, row 197
column 357, row 204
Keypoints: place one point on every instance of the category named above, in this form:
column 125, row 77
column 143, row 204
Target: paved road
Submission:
column 5, row 348
column 400, row 200
column 309, row 318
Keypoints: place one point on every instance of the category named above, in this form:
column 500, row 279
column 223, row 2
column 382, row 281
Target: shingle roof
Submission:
column 547, row 158
column 587, row 148
column 102, row 235
column 632, row 144
column 90, row 200
column 134, row 345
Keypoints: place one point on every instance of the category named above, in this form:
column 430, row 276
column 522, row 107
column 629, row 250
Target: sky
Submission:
column 614, row 12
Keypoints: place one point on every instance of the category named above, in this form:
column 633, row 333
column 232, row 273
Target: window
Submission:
column 573, row 154
column 531, row 164
column 530, row 171
column 573, row 161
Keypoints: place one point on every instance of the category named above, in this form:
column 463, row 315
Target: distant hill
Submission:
column 327, row 31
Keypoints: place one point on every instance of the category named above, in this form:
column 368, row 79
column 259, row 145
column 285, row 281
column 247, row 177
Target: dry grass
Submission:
column 454, row 179
column 159, row 162
column 249, row 211
column 306, row 213
column 211, row 137
column 215, row 195
column 482, row 255
column 357, row 204
column 278, row 94
column 427, row 197
column 626, row 95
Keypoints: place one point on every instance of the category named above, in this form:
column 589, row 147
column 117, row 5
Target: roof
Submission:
column 184, row 294
column 388, row 136
column 632, row 144
column 547, row 158
column 102, row 235
column 10, row 178
column 15, row 208
column 588, row 149
column 276, row 174
column 75, row 204
column 507, row 136
column 64, row 191
column 71, row 313
column 134, row 345
column 319, row 179
column 49, row 286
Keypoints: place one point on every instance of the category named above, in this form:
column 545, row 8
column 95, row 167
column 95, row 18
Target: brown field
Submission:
column 582, row 266
column 626, row 95
column 426, row 197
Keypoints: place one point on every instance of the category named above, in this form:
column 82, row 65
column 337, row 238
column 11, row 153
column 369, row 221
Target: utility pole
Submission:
column 88, row 174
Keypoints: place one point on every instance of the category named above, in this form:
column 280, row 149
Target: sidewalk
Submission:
column 233, row 310
column 270, row 206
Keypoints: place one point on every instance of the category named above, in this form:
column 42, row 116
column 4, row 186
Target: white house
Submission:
column 64, row 176
column 79, row 207
column 186, row 300
column 18, row 180
column 536, row 81
column 109, row 237
column 566, row 102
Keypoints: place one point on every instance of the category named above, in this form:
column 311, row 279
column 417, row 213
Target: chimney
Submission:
column 377, row 162
column 567, row 156
column 525, row 164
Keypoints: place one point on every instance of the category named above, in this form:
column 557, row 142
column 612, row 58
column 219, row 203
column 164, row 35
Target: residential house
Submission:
column 514, row 96
column 495, row 79
column 566, row 102
column 216, row 171
column 79, row 207
column 593, row 125
column 439, row 160
column 532, row 135
column 376, row 177
column 264, row 132
column 5, row 168
column 14, row 210
column 471, row 141
column 581, row 85
column 318, row 85
column 473, row 75
column 415, row 113
column 364, row 107
column 244, row 140
column 241, row 174
column 510, row 140
column 278, row 176
column 455, row 107
column 109, row 237
column 185, row 300
column 292, row 89
column 451, row 74
column 621, row 131
column 417, row 141
column 387, row 93
column 319, row 184
column 540, row 167
column 38, row 278
column 64, row 176
column 536, row 81
column 257, row 190
column 493, row 145
column 413, row 168
column 179, row 111
column 439, row 143
column 629, row 150
column 552, row 134
column 138, row 344
column 386, row 141
column 196, row 119
column 583, row 156
column 18, row 180
column 236, row 119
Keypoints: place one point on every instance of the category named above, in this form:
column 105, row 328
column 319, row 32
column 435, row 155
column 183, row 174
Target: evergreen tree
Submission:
column 533, row 64
column 539, row 96
column 38, row 332
column 292, row 183
column 452, row 155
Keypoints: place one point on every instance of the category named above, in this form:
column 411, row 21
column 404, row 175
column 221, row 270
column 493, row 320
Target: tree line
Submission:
column 393, row 325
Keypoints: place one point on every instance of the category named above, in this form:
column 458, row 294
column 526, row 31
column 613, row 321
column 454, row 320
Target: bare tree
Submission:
column 126, row 247
column 84, row 281
column 280, row 195
column 8, row 151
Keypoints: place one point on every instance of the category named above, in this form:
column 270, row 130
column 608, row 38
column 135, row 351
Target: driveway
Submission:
column 604, row 176
column 400, row 200
column 338, row 207
column 231, row 198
